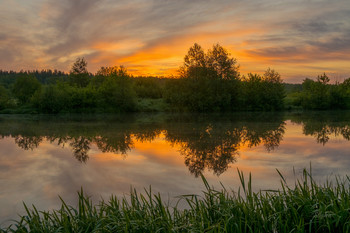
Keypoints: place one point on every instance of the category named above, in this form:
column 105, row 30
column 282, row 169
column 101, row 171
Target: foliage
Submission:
column 211, row 82
column 149, row 87
column 7, row 78
column 65, row 98
column 4, row 97
column 79, row 66
column 208, row 81
column 25, row 87
column 116, row 93
column 321, row 95
column 79, row 75
column 112, row 70
column 202, row 95
column 216, row 63
column 306, row 207
column 108, row 92
column 263, row 92
column 218, row 59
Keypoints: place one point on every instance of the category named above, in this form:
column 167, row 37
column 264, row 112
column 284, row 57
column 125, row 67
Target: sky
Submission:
column 297, row 38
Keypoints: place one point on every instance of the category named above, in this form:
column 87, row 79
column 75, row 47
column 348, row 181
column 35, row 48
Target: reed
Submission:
column 304, row 207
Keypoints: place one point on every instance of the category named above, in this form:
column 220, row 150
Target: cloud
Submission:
column 6, row 56
column 51, row 34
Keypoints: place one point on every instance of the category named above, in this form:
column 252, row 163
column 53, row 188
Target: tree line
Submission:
column 208, row 81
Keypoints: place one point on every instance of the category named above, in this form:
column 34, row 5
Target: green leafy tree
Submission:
column 53, row 98
column 25, row 87
column 316, row 94
column 104, row 72
column 252, row 85
column 264, row 92
column 149, row 87
column 274, row 91
column 116, row 93
column 4, row 97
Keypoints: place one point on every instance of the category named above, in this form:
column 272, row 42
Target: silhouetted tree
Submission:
column 324, row 79
column 79, row 74
column 79, row 66
column 119, row 71
column 208, row 82
column 219, row 60
column 194, row 59
column 216, row 63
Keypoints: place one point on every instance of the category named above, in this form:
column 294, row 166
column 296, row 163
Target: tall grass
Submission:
column 304, row 207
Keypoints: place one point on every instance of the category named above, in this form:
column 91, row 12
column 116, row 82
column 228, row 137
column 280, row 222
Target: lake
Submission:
column 43, row 157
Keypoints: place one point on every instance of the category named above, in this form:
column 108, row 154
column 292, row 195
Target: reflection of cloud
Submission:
column 39, row 176
column 152, row 37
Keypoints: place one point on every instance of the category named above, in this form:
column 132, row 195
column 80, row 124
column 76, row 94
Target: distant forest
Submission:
column 207, row 82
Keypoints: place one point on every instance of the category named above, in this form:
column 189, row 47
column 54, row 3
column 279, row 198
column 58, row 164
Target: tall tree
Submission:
column 215, row 63
column 79, row 66
column 218, row 59
column 79, row 74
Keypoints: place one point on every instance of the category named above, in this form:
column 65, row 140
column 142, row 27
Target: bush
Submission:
column 148, row 87
column 24, row 88
column 65, row 98
column 320, row 95
column 4, row 97
column 263, row 92
column 117, row 95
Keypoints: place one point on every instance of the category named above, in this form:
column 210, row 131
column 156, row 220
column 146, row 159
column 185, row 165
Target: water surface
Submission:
column 43, row 157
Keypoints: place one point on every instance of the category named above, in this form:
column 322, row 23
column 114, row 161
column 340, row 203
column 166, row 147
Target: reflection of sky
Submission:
column 39, row 176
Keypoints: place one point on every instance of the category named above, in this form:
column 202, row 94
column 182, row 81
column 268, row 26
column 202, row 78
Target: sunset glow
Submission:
column 297, row 38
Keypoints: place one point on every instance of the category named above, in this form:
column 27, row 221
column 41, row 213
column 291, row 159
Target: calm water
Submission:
column 43, row 157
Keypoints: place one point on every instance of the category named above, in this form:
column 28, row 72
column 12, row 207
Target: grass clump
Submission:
column 305, row 207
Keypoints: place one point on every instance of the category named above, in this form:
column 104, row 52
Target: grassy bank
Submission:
column 305, row 207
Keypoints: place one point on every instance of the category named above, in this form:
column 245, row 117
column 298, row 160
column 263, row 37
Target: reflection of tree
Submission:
column 322, row 133
column 81, row 147
column 216, row 159
column 324, row 126
column 28, row 142
column 213, row 145
column 271, row 138
column 120, row 144
column 345, row 131
column 147, row 135
column 205, row 142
